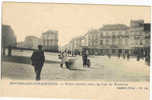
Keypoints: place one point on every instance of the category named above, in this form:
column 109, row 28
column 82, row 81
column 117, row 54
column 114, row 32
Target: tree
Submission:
column 8, row 37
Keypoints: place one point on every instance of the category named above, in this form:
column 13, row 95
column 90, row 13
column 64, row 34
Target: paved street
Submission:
column 102, row 68
column 28, row 53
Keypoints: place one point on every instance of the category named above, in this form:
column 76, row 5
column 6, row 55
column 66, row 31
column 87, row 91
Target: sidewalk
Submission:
column 24, row 59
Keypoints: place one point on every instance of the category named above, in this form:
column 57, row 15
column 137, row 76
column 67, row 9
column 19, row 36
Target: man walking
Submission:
column 84, row 57
column 38, row 59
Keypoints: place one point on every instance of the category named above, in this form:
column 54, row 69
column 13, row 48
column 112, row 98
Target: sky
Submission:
column 70, row 20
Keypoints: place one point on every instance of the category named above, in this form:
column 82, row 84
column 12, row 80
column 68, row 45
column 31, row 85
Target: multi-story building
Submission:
column 92, row 38
column 116, row 39
column 119, row 38
column 66, row 47
column 140, row 36
column 147, row 31
column 113, row 38
column 77, row 43
column 147, row 34
column 137, row 33
column 32, row 42
column 84, row 41
column 74, row 45
column 50, row 40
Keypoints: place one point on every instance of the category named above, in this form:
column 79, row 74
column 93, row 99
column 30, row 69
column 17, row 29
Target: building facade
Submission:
column 140, row 34
column 20, row 44
column 74, row 46
column 84, row 41
column 32, row 42
column 113, row 39
column 116, row 39
column 50, row 40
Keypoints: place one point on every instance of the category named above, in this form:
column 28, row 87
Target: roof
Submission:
column 110, row 27
column 5, row 25
column 93, row 31
column 33, row 37
column 50, row 32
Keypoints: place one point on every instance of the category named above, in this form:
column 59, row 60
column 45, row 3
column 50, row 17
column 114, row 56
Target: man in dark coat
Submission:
column 84, row 57
column 38, row 59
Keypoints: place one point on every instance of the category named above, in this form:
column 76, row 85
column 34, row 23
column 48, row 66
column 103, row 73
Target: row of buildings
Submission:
column 48, row 39
column 113, row 39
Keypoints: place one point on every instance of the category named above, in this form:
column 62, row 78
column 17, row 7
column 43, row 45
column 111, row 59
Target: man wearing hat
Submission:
column 38, row 59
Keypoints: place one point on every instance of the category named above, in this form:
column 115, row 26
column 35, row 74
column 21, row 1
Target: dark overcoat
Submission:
column 38, row 58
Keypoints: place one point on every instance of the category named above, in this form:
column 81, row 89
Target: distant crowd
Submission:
column 138, row 53
column 38, row 57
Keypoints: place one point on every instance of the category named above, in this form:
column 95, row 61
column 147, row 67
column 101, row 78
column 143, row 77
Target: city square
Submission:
column 85, row 51
column 83, row 44
column 102, row 68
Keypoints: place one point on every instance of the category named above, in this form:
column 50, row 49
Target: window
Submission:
column 141, row 43
column 101, row 42
column 89, row 44
column 107, row 34
column 92, row 37
column 96, row 37
column 101, row 35
column 120, row 41
column 126, row 40
column 107, row 41
column 92, row 43
column 114, row 36
column 113, row 50
column 89, row 38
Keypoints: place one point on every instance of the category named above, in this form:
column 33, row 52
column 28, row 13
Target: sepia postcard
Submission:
column 80, row 51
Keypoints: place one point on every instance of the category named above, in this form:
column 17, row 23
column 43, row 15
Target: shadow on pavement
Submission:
column 77, row 69
column 17, row 71
column 22, row 59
